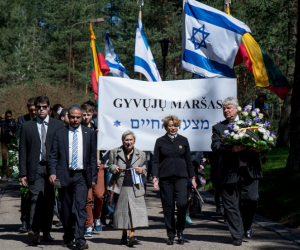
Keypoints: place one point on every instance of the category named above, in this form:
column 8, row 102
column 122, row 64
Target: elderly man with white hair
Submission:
column 240, row 170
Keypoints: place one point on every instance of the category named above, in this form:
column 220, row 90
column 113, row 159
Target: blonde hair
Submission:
column 172, row 118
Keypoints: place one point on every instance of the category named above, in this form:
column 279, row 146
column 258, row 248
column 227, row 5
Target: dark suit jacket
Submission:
column 59, row 156
column 30, row 146
column 172, row 158
column 229, row 160
column 24, row 118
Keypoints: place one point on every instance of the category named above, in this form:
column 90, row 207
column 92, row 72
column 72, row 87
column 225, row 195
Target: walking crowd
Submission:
column 58, row 151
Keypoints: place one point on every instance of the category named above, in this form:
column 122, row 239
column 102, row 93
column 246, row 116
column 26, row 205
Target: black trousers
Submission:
column 174, row 189
column 41, row 202
column 240, row 201
column 25, row 209
column 76, row 191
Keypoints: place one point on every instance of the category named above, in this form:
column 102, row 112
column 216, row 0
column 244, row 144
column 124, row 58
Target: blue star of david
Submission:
column 117, row 123
column 204, row 36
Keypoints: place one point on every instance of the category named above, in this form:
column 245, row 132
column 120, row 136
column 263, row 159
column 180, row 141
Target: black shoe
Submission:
column 248, row 234
column 67, row 244
column 111, row 220
column 58, row 224
column 170, row 241
column 82, row 246
column 103, row 220
column 47, row 238
column 132, row 241
column 218, row 211
column 35, row 239
column 23, row 228
column 124, row 239
column 180, row 238
column 237, row 242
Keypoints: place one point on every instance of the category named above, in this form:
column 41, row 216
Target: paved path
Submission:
column 207, row 232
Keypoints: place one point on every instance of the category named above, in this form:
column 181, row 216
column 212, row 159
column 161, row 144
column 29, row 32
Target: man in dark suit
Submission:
column 36, row 138
column 240, row 170
column 25, row 202
column 73, row 161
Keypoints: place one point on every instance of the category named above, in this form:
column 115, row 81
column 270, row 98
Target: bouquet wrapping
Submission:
column 250, row 130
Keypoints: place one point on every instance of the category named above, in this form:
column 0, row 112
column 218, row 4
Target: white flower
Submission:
column 262, row 130
column 242, row 134
column 10, row 151
column 260, row 124
column 249, row 107
column 226, row 132
column 257, row 109
column 265, row 137
column 239, row 122
column 253, row 140
column 247, row 135
column 236, row 128
column 239, row 108
column 17, row 171
column 261, row 116
column 253, row 114
column 236, row 137
column 232, row 134
column 273, row 135
column 268, row 132
column 271, row 138
column 245, row 113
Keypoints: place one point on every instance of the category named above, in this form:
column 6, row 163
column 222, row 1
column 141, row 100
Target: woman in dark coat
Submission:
column 172, row 165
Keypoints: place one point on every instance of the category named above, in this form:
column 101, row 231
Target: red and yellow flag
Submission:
column 99, row 65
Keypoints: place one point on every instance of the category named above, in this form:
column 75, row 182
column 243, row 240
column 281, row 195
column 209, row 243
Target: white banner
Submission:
column 140, row 106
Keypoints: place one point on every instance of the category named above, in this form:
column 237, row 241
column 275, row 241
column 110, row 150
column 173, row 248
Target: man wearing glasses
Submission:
column 36, row 138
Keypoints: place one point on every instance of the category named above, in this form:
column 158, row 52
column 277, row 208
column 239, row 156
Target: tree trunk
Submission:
column 293, row 163
column 284, row 123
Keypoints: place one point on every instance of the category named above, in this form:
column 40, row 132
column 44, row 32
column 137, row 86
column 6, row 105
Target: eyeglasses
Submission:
column 42, row 107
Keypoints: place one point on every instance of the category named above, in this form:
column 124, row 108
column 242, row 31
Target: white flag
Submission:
column 210, row 40
column 115, row 66
column 136, row 178
column 143, row 59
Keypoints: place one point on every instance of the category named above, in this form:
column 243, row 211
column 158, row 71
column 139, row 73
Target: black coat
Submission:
column 30, row 146
column 59, row 156
column 172, row 158
column 24, row 118
column 229, row 161
column 6, row 128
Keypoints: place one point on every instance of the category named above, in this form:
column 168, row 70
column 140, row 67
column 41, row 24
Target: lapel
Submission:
column 121, row 154
column 84, row 141
column 135, row 157
column 35, row 129
column 168, row 138
column 66, row 142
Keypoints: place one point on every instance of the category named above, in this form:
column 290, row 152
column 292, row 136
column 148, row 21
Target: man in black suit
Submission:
column 240, row 170
column 25, row 202
column 73, row 161
column 36, row 138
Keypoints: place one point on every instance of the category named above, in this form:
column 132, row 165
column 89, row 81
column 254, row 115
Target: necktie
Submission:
column 75, row 150
column 44, row 134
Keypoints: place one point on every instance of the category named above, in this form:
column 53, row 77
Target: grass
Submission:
column 279, row 196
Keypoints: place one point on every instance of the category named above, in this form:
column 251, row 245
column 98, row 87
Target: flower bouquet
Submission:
column 250, row 130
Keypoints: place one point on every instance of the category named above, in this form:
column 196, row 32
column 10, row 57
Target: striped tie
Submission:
column 75, row 150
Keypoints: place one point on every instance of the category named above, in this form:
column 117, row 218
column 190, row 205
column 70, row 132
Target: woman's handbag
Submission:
column 195, row 203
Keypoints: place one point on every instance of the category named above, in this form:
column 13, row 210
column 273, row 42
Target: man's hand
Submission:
column 24, row 181
column 257, row 150
column 155, row 183
column 10, row 133
column 238, row 148
column 93, row 184
column 52, row 179
column 118, row 170
column 201, row 167
column 98, row 164
column 139, row 170
column 194, row 184
column 96, row 131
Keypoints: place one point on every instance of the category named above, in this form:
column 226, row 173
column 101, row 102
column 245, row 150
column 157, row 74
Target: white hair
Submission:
column 231, row 101
column 128, row 132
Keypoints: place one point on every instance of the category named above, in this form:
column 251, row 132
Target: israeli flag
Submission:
column 115, row 66
column 210, row 40
column 136, row 178
column 143, row 59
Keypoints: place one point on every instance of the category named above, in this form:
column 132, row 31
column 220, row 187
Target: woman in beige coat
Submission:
column 130, row 208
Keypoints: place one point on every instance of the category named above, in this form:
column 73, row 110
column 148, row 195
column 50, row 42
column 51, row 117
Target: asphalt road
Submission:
column 207, row 232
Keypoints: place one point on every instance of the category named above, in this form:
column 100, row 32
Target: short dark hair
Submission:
column 42, row 99
column 87, row 108
column 63, row 113
column 31, row 102
column 57, row 106
column 263, row 95
column 8, row 112
column 90, row 103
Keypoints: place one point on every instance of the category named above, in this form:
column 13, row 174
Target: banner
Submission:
column 140, row 106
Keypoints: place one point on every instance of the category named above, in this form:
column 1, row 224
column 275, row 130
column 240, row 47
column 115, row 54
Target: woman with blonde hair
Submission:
column 172, row 165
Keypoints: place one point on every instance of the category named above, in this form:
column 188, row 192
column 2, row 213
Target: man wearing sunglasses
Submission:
column 36, row 138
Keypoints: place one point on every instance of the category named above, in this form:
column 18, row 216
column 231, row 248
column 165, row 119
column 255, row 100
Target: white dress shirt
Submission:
column 80, row 147
column 39, row 127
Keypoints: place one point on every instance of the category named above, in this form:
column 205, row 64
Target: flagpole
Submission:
column 140, row 3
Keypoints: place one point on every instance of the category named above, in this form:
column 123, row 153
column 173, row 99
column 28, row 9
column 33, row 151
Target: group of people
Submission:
column 61, row 152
